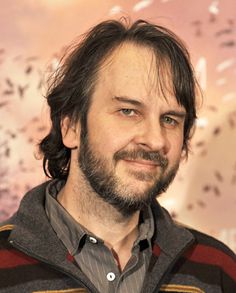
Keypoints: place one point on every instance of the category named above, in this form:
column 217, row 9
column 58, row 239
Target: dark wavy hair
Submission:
column 74, row 82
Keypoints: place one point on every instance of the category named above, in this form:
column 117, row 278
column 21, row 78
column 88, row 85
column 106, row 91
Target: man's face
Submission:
column 134, row 135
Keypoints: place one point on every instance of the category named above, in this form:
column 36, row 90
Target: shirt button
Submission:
column 111, row 276
column 92, row 239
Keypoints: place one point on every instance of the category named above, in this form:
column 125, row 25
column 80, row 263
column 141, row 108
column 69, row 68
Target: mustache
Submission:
column 154, row 157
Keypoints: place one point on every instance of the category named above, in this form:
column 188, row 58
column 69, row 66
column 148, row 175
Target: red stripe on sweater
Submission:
column 156, row 250
column 12, row 258
column 212, row 256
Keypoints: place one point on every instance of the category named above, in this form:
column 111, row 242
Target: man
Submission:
column 122, row 109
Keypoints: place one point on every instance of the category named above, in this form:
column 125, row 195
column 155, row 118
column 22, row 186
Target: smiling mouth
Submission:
column 142, row 164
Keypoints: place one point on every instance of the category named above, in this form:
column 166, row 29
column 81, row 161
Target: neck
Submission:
column 100, row 218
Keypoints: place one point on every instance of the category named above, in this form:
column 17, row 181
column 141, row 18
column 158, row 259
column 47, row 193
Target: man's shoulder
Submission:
column 201, row 240
column 207, row 242
column 8, row 225
column 210, row 252
column 38, row 189
column 210, row 243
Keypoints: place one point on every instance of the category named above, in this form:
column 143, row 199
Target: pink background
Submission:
column 33, row 35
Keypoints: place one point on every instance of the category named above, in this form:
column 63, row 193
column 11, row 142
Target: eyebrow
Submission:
column 128, row 101
column 180, row 114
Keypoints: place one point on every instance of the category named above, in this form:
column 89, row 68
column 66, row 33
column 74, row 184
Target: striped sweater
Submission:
column 33, row 259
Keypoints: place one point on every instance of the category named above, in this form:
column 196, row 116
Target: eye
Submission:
column 169, row 121
column 127, row 112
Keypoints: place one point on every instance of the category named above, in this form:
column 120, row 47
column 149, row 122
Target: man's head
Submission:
column 131, row 90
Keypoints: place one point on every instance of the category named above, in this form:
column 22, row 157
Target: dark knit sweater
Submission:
column 33, row 259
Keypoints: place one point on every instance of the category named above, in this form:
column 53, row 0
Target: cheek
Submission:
column 106, row 139
column 176, row 147
column 107, row 132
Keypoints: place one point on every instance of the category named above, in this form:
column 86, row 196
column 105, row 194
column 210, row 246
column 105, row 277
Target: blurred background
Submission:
column 34, row 34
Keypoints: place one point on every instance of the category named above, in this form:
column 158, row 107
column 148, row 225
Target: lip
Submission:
column 142, row 164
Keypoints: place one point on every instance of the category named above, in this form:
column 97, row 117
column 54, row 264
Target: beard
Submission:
column 100, row 174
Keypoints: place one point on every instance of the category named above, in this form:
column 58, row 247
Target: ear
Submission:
column 70, row 133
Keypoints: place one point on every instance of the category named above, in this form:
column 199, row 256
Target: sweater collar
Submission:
column 31, row 222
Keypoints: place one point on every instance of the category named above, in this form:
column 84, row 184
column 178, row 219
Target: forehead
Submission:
column 136, row 70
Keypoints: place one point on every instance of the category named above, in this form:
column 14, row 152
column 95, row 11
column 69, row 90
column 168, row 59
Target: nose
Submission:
column 152, row 137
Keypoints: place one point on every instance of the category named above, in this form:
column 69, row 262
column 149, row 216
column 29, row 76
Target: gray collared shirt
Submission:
column 94, row 258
